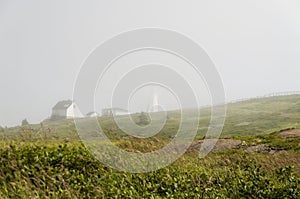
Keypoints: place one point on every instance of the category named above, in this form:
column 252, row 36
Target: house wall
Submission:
column 120, row 113
column 73, row 111
column 58, row 113
column 107, row 112
column 93, row 115
column 112, row 112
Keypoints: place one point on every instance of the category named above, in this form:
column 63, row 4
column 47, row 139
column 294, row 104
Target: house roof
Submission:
column 63, row 104
column 91, row 113
column 114, row 109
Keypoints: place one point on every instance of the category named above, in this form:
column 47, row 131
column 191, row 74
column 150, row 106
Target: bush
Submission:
column 144, row 119
column 69, row 171
column 25, row 122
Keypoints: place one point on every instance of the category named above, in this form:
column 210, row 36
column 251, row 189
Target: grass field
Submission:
column 247, row 118
column 48, row 160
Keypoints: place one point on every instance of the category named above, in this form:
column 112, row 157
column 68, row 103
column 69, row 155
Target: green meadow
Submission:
column 48, row 160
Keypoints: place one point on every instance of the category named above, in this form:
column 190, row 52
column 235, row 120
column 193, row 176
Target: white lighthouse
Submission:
column 153, row 106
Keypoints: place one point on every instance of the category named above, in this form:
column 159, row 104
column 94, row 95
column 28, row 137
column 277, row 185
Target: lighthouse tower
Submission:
column 153, row 106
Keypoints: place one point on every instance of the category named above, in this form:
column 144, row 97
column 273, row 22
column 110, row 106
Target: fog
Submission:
column 254, row 44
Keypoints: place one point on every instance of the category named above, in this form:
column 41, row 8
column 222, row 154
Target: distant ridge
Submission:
column 275, row 94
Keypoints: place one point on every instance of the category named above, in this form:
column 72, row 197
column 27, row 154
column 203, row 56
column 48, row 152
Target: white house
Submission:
column 92, row 114
column 66, row 109
column 114, row 111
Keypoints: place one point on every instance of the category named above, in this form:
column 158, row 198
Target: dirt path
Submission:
column 222, row 144
column 289, row 133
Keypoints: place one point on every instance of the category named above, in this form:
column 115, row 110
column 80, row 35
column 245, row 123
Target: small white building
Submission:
column 66, row 109
column 114, row 112
column 92, row 114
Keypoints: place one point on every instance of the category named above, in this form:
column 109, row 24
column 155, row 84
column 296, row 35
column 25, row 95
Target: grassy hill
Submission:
column 47, row 160
column 246, row 118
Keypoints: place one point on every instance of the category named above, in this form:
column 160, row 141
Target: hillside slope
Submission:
column 246, row 118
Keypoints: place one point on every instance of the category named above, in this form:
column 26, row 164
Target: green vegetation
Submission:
column 143, row 119
column 25, row 122
column 47, row 160
column 45, row 170
column 248, row 118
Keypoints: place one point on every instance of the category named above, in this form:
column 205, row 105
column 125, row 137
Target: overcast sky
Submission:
column 255, row 45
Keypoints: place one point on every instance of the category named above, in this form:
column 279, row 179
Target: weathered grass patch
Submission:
column 47, row 170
